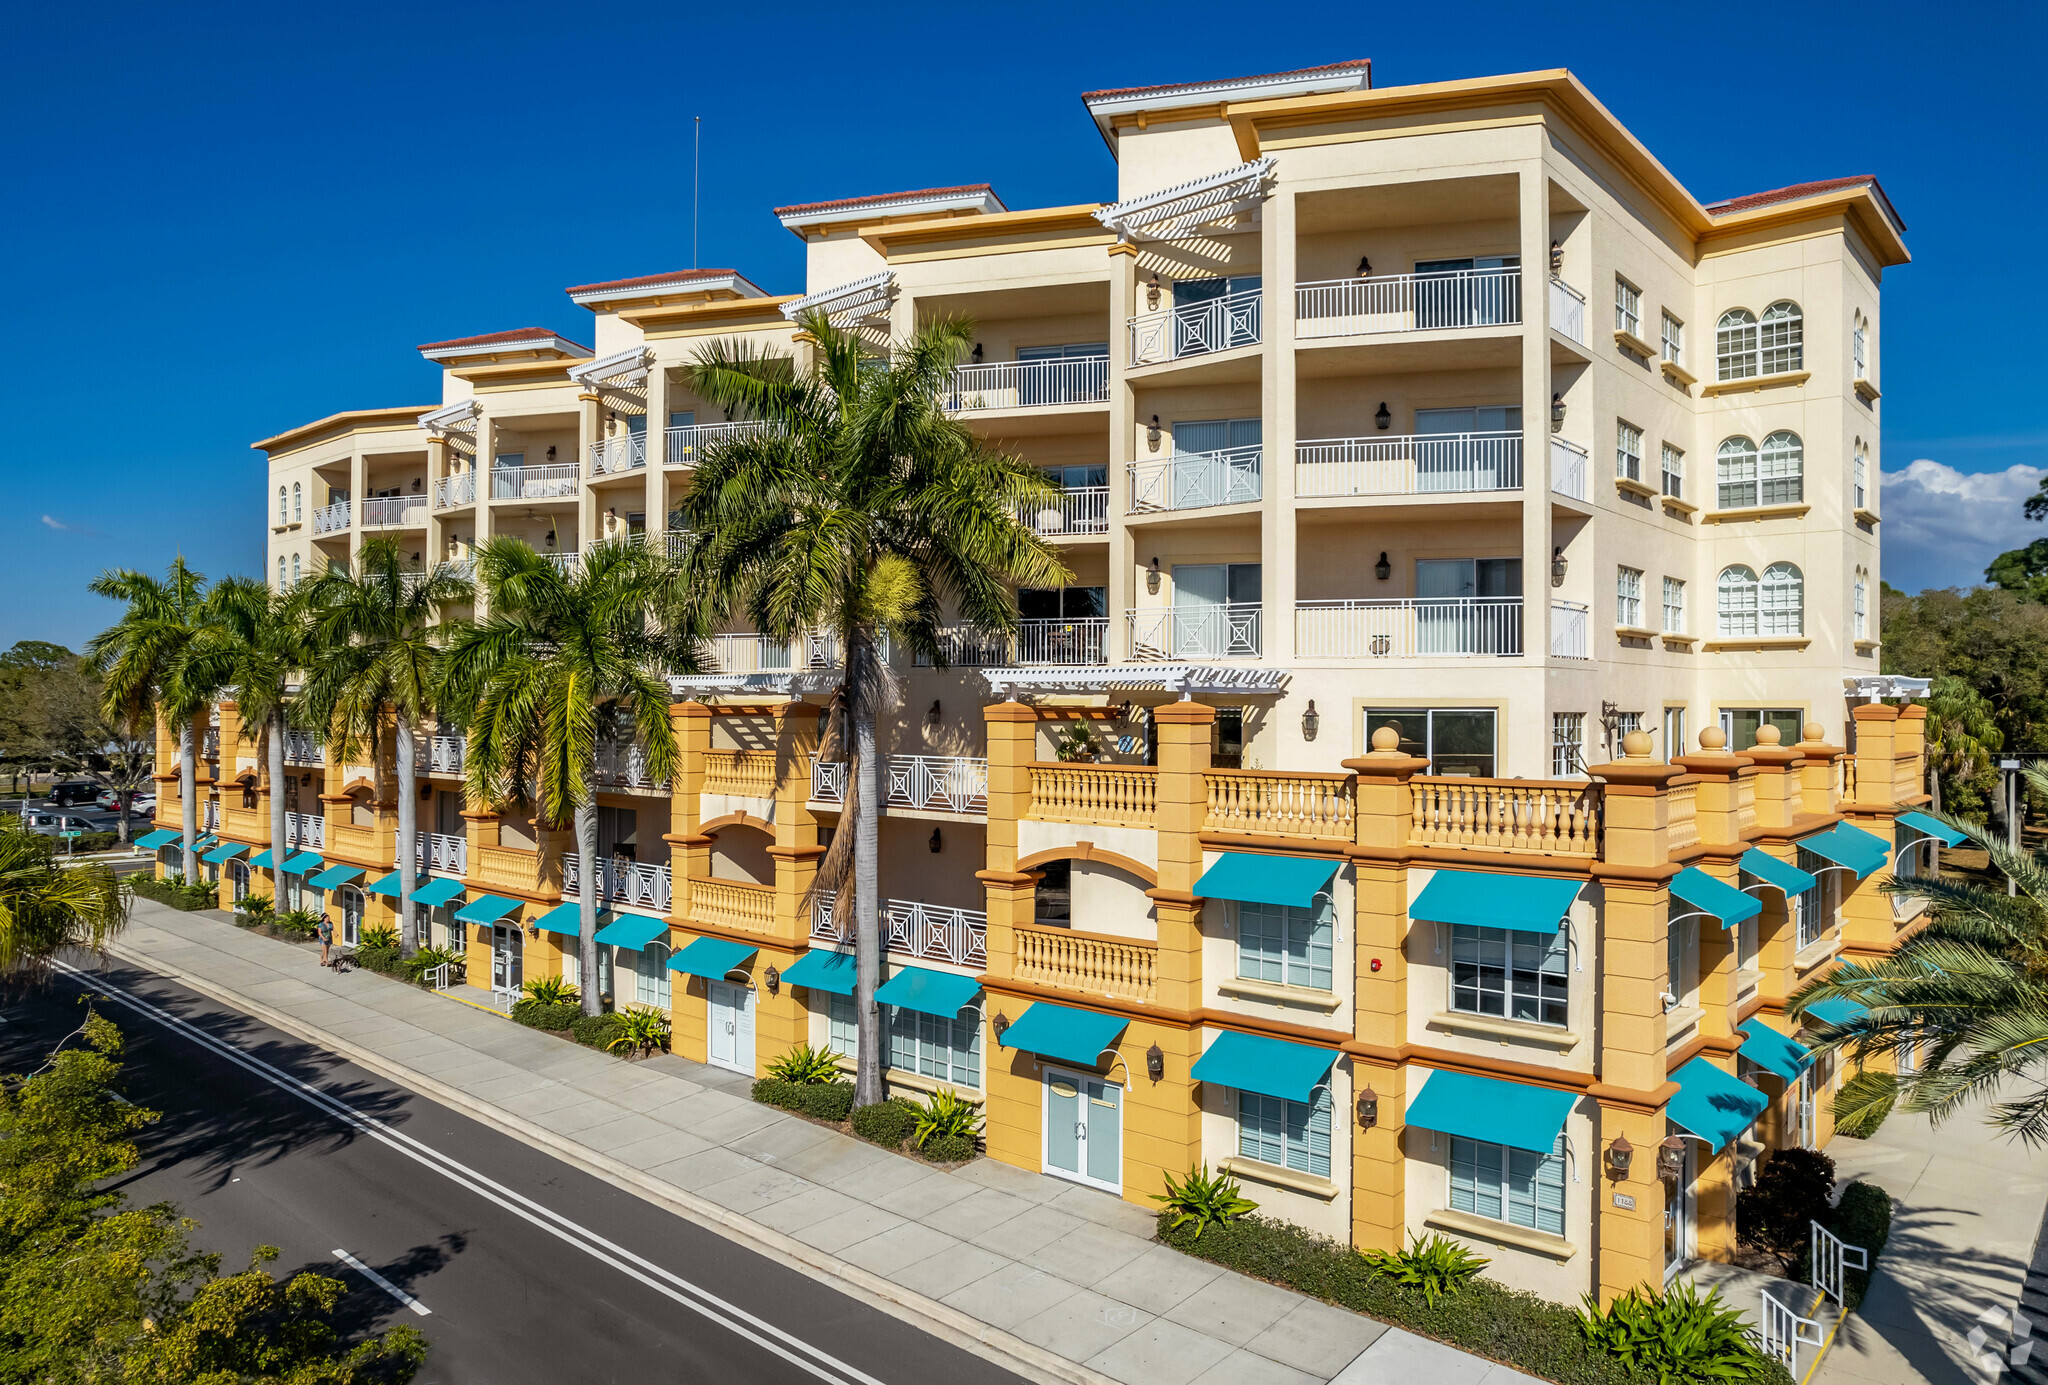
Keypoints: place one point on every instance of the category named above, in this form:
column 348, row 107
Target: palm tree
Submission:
column 46, row 907
column 140, row 659
column 562, row 663
column 1967, row 994
column 1962, row 735
column 862, row 509
column 376, row 645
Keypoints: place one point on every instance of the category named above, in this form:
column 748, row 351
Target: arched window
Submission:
column 1736, row 616
column 1783, row 469
column 1735, row 345
column 1735, row 474
column 295, row 569
column 1783, row 339
column 280, row 570
column 283, row 514
column 1784, row 600
column 298, row 499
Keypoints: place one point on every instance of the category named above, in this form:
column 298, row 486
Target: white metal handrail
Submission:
column 912, row 928
column 1571, row 630
column 745, row 653
column 609, row 456
column 444, row 754
column 683, row 445
column 304, row 748
column 1410, row 627
column 1197, row 480
column 1429, row 463
column 331, row 519
column 209, row 820
column 209, row 744
column 1567, row 469
column 394, row 511
column 465, row 568
column 437, row 976
column 944, row 783
column 1193, row 632
column 305, row 829
column 1029, row 384
column 675, row 542
column 620, row 881
column 568, row 564
column 1831, row 1255
column 1430, row 301
column 1783, row 1332
column 623, row 765
column 1567, row 311
column 1080, row 640
column 1193, row 329
column 443, row 853
column 455, row 490
column 1081, row 510
column 533, row 482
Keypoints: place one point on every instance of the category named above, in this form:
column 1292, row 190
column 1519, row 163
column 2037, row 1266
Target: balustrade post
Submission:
column 1182, row 802
column 1012, row 735
column 1876, row 748
column 1909, row 755
column 689, row 850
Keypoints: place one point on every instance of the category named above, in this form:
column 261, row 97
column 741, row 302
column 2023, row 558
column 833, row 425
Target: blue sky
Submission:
column 224, row 220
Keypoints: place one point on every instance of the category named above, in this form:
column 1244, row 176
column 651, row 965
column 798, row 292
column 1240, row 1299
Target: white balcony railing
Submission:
column 451, row 491
column 1072, row 642
column 683, row 445
column 1408, row 628
column 1081, row 510
column 331, row 519
column 1438, row 464
column 304, row 748
column 1567, row 311
column 610, row 456
column 209, row 818
column 768, row 654
column 939, row 783
column 568, row 564
column 1490, row 297
column 1571, row 634
column 1194, row 329
column 394, row 511
column 623, row 765
column 1029, row 384
column 674, row 542
column 1194, row 632
column 533, row 482
column 444, row 754
column 441, row 853
column 209, row 744
column 912, row 928
column 1568, row 469
column 1197, row 480
column 465, row 568
column 619, row 881
column 305, row 830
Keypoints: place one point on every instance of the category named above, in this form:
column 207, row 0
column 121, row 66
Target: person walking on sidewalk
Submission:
column 325, row 932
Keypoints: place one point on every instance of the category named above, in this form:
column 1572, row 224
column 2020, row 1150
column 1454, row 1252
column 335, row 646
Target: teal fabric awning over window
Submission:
column 1060, row 1031
column 304, row 863
column 1933, row 827
column 1837, row 1011
column 632, row 931
column 1775, row 872
column 1772, row 1051
column 437, row 892
column 1713, row 1105
column 1525, row 903
column 163, row 836
column 822, row 969
column 264, row 860
column 1715, row 897
column 1850, row 846
column 711, row 958
column 486, row 909
column 334, row 877
column 205, row 842
column 1491, row 1109
column 566, row 919
column 226, row 851
column 1254, row 879
column 388, row 885
column 941, row 993
column 1270, row 1067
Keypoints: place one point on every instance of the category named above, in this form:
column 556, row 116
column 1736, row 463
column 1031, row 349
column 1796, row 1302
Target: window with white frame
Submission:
column 298, row 507
column 1745, row 945
column 1567, row 744
column 1286, row 1134
column 1681, row 954
column 1781, row 339
column 295, row 569
column 1509, row 974
column 1862, row 607
column 1628, row 597
column 932, row 1046
column 1674, row 732
column 650, row 975
column 1735, row 345
column 1502, row 1183
column 283, row 512
column 1747, row 476
column 1285, row 945
column 280, row 570
column 1783, row 600
column 1674, row 472
column 1628, row 307
column 1860, row 479
column 1858, row 347
column 1813, row 910
column 1628, row 450
column 842, row 1029
column 1736, row 617
column 1673, row 340
column 1674, row 606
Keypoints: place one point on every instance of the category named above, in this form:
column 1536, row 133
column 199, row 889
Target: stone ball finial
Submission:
column 1812, row 733
column 1386, row 739
column 1636, row 745
column 1768, row 734
column 1713, row 738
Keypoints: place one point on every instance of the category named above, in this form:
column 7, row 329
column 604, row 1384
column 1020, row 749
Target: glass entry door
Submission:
column 508, row 960
column 1084, row 1129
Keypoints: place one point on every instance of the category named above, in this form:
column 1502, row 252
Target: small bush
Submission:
column 1678, row 1336
column 949, row 1149
column 1790, row 1194
column 536, row 1014
column 1204, row 1199
column 552, row 990
column 773, row 1091
column 805, row 1064
column 297, row 923
column 379, row 935
column 416, row 967
column 596, row 1031
column 174, row 892
column 825, row 1101
column 946, row 1116
column 1863, row 1217
column 255, row 909
column 886, row 1123
column 1435, row 1268
column 96, row 841
column 385, row 961
column 640, row 1030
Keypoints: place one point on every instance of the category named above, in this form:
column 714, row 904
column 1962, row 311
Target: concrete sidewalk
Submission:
column 1047, row 1278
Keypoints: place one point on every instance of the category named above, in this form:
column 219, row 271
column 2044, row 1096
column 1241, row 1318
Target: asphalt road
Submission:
column 529, row 1269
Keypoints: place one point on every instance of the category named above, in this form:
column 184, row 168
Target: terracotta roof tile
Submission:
column 679, row 276
column 1799, row 190
column 1365, row 63
column 962, row 189
column 500, row 338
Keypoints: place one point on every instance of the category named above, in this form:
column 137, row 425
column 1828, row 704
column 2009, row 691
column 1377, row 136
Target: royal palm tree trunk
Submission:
column 188, row 797
column 586, row 913
column 408, row 835
column 274, row 757
column 866, row 893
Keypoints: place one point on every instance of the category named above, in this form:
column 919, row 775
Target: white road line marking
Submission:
column 381, row 1282
column 698, row 1300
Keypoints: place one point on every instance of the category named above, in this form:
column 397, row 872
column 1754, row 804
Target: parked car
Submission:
column 73, row 791
column 49, row 824
column 142, row 805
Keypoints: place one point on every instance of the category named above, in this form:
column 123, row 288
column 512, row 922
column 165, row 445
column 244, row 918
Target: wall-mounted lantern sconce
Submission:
column 1152, row 433
column 1671, row 1159
column 1152, row 290
column 975, row 355
column 772, row 979
column 1310, row 721
column 1556, row 257
column 426, row 791
column 1364, row 267
column 1383, row 569
column 1618, row 1156
column 1000, row 1023
column 933, row 715
column 1556, row 412
column 1368, row 1108
column 1382, row 418
column 551, row 452
column 1152, row 578
column 533, row 930
column 1155, row 1063
column 1381, row 644
column 1558, row 564
column 936, row 841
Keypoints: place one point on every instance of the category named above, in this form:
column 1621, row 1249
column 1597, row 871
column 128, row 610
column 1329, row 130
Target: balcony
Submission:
column 1567, row 469
column 305, row 830
column 1090, row 963
column 1029, row 384
column 568, row 564
column 1082, row 510
column 675, row 543
column 912, row 928
column 1571, row 633
column 1450, row 627
column 331, row 519
column 451, row 491
column 632, row 884
column 1197, row 480
column 686, row 444
column 441, row 853
column 1059, row 643
column 770, row 654
column 623, row 765
column 395, row 512
column 465, row 568
column 1434, row 301
column 209, row 815
column 534, row 482
column 610, row 456
column 1567, row 311
column 929, row 783
column 209, row 744
column 444, row 754
column 1426, row 464
column 737, row 905
column 304, row 748
column 740, row 773
column 1196, row 329
column 1550, row 817
column 1194, row 632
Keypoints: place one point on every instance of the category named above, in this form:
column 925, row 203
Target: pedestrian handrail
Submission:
column 1784, row 1332
column 437, row 977
column 1831, row 1255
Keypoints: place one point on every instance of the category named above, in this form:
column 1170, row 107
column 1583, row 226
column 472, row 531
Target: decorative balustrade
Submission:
column 934, row 783
column 1571, row 630
column 1194, row 632
column 741, row 773
column 634, row 884
column 739, row 905
column 507, row 867
column 1548, row 817
column 395, row 512
column 1567, row 311
column 347, row 839
column 684, row 445
column 1845, row 787
column 610, row 456
column 1422, row 464
column 1490, row 296
column 331, row 519
column 306, row 830
column 451, row 491
column 1194, row 329
column 1452, row 627
column 304, row 748
column 1029, row 384
column 1197, row 480
column 445, row 754
column 534, row 482
column 912, row 928
column 623, row 765
column 1076, row 510
column 1110, row 795
column 1070, row 643
column 1122, row 968
column 1567, row 469
column 441, row 853
column 1281, row 804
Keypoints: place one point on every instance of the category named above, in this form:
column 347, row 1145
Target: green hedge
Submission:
column 886, row 1123
column 186, row 897
column 950, row 1149
column 825, row 1101
column 1863, row 1217
column 596, row 1031
column 386, row 961
column 1488, row 1319
column 535, row 1015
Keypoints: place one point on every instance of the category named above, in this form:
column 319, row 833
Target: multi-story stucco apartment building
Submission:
column 1459, row 735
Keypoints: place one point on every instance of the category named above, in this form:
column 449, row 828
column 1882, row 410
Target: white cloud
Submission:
column 1942, row 527
column 57, row 524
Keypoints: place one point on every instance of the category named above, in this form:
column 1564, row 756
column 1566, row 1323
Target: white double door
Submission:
column 1084, row 1129
column 508, row 960
column 731, row 1040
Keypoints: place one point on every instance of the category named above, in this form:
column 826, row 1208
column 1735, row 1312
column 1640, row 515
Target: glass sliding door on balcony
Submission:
column 1485, row 291
column 1439, row 463
column 1081, row 507
column 1040, row 377
column 1215, row 611
column 1458, row 603
column 1462, row 449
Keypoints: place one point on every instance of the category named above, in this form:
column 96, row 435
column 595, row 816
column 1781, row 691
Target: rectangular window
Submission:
column 1508, row 974
column 843, row 1030
column 1567, row 744
column 1674, row 732
column 1674, row 606
column 1286, row 946
column 1862, row 609
column 1510, row 1185
column 1628, row 451
column 1862, row 480
column 1814, row 910
column 948, row 1049
column 1453, row 740
column 1286, row 1134
column 1628, row 307
column 1674, row 340
column 1674, row 472
column 1681, row 951
column 1741, row 723
column 1856, row 349
column 1226, row 739
column 1745, row 945
column 1628, row 597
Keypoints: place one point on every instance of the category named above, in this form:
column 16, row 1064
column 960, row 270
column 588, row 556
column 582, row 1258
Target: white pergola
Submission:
column 1878, row 687
column 848, row 304
column 1181, row 212
column 621, row 369
column 1184, row 679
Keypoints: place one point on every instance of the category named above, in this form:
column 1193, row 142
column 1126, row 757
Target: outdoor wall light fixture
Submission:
column 975, row 355
column 1618, row 1156
column 936, row 841
column 1155, row 1063
column 1364, row 267
column 551, row 452
column 1558, row 564
column 1671, row 1158
column 1152, row 290
column 1152, row 431
column 772, row 979
column 1383, row 569
column 1556, row 412
column 1152, row 578
column 933, row 715
column 1368, row 1108
column 533, row 930
column 1382, row 418
column 1310, row 721
column 1000, row 1023
column 1556, row 257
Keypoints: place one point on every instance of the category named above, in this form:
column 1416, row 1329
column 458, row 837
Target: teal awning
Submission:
column 566, row 919
column 486, row 909
column 203, row 843
column 1713, row 1105
column 437, row 892
column 163, row 836
column 631, row 931
column 1525, row 903
column 711, row 958
column 304, row 863
column 1254, row 879
column 388, row 885
column 1775, row 872
column 1772, row 1051
column 822, row 969
column 334, row 877
column 1933, row 827
column 263, row 859
column 941, row 993
column 1270, row 1067
column 1060, row 1031
column 1491, row 1109
column 1850, row 846
column 1715, row 897
column 1837, row 1011
column 226, row 851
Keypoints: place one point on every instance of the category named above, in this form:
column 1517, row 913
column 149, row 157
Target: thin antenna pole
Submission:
column 696, row 177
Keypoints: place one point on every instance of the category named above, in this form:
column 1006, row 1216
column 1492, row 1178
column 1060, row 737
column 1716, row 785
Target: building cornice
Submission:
column 340, row 425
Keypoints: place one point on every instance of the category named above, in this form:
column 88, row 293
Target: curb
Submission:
column 949, row 1324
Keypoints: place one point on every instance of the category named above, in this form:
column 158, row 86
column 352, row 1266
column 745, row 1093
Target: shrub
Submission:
column 596, row 1031
column 1678, row 1337
column 804, row 1064
column 379, row 935
column 640, row 1030
column 1789, row 1195
column 297, row 923
column 949, row 1149
column 1204, row 1199
column 1863, row 1217
column 1437, row 1267
column 176, row 893
column 254, row 910
column 552, row 990
column 416, row 967
column 385, row 961
column 537, row 1014
column 946, row 1116
column 774, row 1091
column 96, row 841
column 885, row 1123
